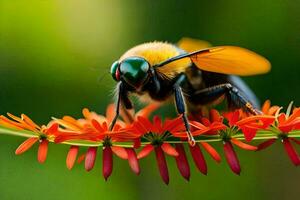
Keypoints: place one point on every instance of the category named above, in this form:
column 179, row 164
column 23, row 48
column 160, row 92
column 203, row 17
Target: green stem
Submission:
column 261, row 135
column 22, row 133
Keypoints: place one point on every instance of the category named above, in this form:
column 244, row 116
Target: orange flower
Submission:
column 226, row 132
column 95, row 128
column 207, row 126
column 285, row 123
column 267, row 109
column 249, row 125
column 156, row 133
column 214, row 123
column 44, row 134
column 162, row 137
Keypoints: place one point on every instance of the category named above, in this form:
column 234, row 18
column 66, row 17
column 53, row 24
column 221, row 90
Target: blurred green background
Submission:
column 55, row 58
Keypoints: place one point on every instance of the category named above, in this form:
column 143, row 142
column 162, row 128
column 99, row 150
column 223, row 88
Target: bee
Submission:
column 191, row 72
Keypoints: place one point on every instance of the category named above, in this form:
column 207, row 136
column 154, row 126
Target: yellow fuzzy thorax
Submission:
column 157, row 52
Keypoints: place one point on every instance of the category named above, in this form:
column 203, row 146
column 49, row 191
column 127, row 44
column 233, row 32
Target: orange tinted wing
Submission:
column 191, row 45
column 230, row 60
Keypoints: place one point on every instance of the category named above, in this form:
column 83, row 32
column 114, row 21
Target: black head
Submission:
column 133, row 70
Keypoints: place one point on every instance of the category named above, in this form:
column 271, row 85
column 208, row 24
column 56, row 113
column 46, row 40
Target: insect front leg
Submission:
column 122, row 99
column 180, row 106
column 234, row 98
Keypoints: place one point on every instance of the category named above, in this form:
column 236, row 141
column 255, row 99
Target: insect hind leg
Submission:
column 234, row 98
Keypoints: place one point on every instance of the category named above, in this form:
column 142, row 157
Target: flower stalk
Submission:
column 136, row 136
column 261, row 135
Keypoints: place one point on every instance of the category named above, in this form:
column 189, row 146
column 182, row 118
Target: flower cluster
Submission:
column 135, row 136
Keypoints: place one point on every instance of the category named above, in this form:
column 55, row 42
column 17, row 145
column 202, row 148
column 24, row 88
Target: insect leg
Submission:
column 117, row 111
column 234, row 98
column 180, row 106
column 122, row 98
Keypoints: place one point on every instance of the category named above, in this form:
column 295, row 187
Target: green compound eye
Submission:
column 134, row 70
column 114, row 70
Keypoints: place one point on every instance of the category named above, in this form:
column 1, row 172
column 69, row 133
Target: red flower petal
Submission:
column 173, row 125
column 197, row 125
column 281, row 118
column 105, row 126
column 10, row 124
column 117, row 127
column 169, row 149
column 293, row 116
column 243, row 145
column 267, row 122
column 211, row 151
column 70, row 122
column 215, row 116
column 120, row 152
column 29, row 121
column 285, row 128
column 232, row 158
column 233, row 117
column 216, row 126
column 42, row 151
column 198, row 158
column 273, row 110
column 266, row 106
column 182, row 162
column 292, row 153
column 90, row 158
column 145, row 151
column 107, row 162
column 146, row 124
column 18, row 122
column 265, row 144
column 77, row 136
column 97, row 125
column 205, row 121
column 139, row 128
column 27, row 144
column 248, row 132
column 133, row 161
column 162, row 164
column 268, row 109
column 157, row 123
column 198, row 132
column 297, row 127
column 53, row 129
column 71, row 157
column 265, row 119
